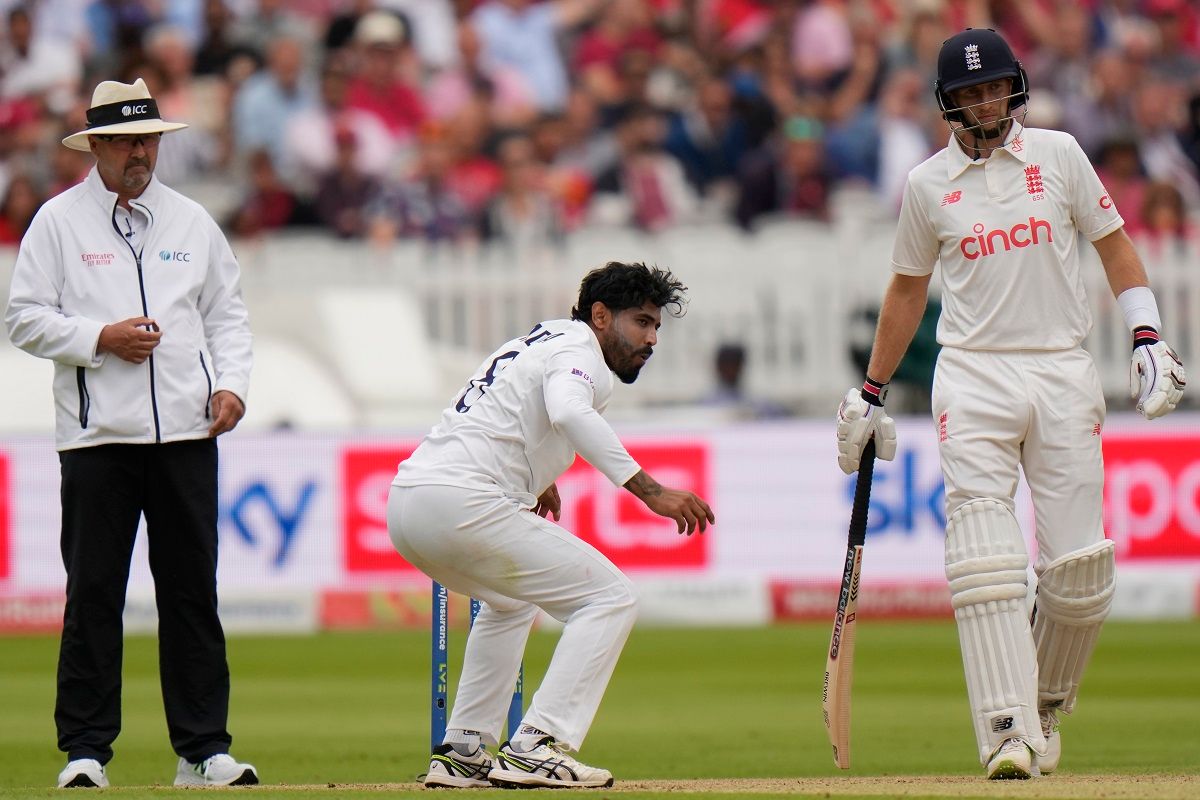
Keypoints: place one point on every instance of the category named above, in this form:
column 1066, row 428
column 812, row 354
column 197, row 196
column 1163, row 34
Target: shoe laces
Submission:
column 560, row 750
column 1049, row 721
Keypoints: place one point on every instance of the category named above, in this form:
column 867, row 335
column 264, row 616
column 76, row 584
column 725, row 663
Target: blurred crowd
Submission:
column 521, row 120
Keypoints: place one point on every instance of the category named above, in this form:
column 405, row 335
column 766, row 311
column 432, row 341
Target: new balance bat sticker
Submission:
column 839, row 668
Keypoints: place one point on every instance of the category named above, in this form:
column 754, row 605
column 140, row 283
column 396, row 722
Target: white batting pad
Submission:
column 986, row 565
column 1074, row 596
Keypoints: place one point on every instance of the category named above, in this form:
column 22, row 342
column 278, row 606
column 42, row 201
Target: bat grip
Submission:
column 862, row 495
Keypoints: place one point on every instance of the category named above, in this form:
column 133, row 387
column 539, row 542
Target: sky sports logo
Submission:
column 175, row 255
column 1023, row 234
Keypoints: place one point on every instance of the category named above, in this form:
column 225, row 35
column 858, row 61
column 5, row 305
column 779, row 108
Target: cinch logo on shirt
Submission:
column 97, row 259
column 1023, row 234
column 177, row 255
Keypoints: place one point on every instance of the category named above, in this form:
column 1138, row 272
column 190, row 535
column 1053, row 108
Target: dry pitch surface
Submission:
column 1061, row 787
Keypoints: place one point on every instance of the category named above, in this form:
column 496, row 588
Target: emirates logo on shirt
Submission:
column 1023, row 234
column 1033, row 181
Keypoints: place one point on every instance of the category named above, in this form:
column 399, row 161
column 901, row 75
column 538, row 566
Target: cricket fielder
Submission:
column 1001, row 209
column 469, row 508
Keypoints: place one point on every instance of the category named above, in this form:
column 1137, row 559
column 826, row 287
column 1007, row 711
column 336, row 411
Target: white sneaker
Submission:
column 448, row 767
column 1049, row 762
column 545, row 765
column 83, row 773
column 218, row 770
column 1013, row 759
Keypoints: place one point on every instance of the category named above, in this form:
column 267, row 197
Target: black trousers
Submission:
column 105, row 490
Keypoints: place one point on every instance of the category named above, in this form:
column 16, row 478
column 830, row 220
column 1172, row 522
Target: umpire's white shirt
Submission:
column 77, row 271
column 519, row 421
column 1004, row 229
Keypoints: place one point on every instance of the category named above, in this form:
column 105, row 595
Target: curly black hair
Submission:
column 620, row 286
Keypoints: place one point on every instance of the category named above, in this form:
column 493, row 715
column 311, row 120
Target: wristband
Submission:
column 874, row 392
column 1144, row 335
column 1139, row 307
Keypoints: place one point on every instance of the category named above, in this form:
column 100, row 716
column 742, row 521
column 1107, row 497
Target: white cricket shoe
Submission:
column 1012, row 760
column 218, row 770
column 545, row 765
column 83, row 773
column 1049, row 762
column 448, row 767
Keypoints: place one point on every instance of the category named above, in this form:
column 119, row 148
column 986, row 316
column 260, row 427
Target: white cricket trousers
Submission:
column 1042, row 410
column 487, row 546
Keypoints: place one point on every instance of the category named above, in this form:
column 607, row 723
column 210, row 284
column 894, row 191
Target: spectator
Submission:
column 473, row 177
column 269, row 205
column 381, row 87
column 1106, row 108
column 647, row 188
column 1160, row 114
column 34, row 66
column 1120, row 170
column 601, row 62
column 510, row 99
column 201, row 103
column 268, row 22
column 1177, row 24
column 789, row 177
column 309, row 138
column 524, row 214
column 21, row 201
column 434, row 30
column 729, row 366
column 424, row 206
column 339, row 33
column 1165, row 228
column 709, row 138
column 344, row 191
column 265, row 102
column 524, row 35
column 822, row 44
column 217, row 54
column 67, row 168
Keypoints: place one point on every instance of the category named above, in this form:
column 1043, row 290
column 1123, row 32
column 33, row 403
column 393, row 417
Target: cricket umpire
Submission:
column 132, row 291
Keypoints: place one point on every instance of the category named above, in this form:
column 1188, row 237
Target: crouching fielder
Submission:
column 1001, row 209
column 471, row 506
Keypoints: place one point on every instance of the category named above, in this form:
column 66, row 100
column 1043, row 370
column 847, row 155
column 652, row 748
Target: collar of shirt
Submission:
column 149, row 197
column 958, row 160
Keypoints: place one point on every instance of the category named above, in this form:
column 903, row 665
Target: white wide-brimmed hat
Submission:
column 121, row 108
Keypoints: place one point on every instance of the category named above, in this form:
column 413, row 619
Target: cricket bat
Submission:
column 839, row 668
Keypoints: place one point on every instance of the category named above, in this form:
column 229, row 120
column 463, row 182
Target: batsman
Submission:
column 1002, row 209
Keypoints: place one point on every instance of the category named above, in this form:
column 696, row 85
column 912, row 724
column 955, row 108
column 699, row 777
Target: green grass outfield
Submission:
column 711, row 713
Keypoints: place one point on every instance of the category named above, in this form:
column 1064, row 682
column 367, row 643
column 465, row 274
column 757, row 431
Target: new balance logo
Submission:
column 1002, row 724
column 952, row 197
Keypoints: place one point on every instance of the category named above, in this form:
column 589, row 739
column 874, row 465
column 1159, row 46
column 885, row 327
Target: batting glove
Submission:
column 860, row 417
column 1156, row 375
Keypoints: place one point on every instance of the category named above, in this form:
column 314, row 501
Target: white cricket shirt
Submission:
column 517, row 424
column 1005, row 231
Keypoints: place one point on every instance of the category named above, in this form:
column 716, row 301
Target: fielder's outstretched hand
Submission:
column 689, row 511
column 1156, row 379
column 858, row 421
